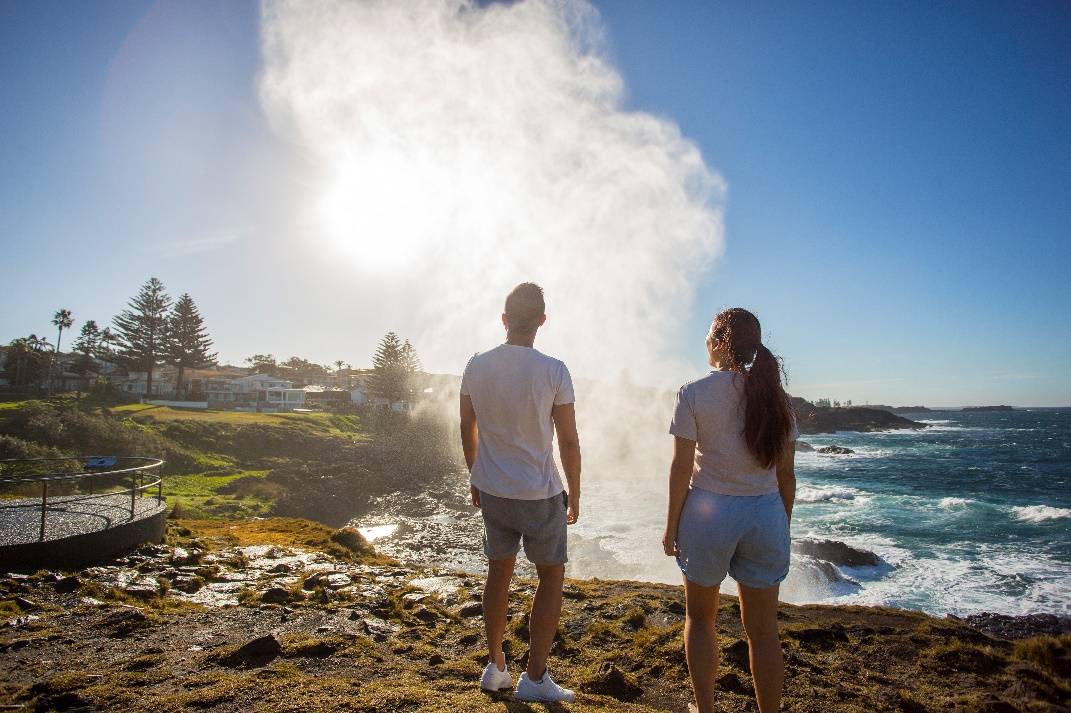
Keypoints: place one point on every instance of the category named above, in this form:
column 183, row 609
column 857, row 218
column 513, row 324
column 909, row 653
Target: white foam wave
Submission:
column 951, row 503
column 1040, row 513
column 830, row 493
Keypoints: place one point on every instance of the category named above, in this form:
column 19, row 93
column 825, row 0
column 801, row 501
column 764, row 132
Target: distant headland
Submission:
column 988, row 408
column 813, row 418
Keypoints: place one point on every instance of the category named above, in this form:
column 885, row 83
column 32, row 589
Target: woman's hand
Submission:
column 669, row 542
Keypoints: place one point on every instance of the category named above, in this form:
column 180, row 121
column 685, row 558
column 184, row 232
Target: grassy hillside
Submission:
column 234, row 464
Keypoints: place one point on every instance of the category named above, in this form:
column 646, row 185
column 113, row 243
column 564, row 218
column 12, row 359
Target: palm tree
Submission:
column 63, row 320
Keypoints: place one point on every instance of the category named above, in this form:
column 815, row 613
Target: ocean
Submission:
column 971, row 514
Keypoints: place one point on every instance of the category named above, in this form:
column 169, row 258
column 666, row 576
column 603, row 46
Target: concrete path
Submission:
column 20, row 520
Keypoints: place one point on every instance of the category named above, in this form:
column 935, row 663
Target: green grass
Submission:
column 202, row 494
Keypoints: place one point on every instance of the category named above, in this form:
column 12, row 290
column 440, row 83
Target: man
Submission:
column 513, row 398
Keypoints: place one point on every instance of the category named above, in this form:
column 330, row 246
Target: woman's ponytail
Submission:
column 736, row 334
column 767, row 414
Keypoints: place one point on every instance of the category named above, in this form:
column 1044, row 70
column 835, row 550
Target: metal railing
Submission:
column 149, row 467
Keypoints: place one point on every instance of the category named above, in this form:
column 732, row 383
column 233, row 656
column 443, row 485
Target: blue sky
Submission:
column 899, row 205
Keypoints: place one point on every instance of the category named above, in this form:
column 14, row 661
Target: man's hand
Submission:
column 573, row 513
column 475, row 495
column 669, row 542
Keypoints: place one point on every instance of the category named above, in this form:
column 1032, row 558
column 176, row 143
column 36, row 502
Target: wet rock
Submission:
column 275, row 595
column 471, row 608
column 143, row 588
column 836, row 552
column 66, row 585
column 66, row 701
column 378, row 629
column 803, row 447
column 188, row 584
column 336, row 580
column 612, row 681
column 836, row 451
column 447, row 588
column 254, row 653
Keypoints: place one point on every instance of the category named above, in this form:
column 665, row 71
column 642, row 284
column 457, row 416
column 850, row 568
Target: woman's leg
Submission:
column 758, row 613
column 700, row 642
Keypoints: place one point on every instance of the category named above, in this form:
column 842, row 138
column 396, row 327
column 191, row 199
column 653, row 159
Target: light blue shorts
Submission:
column 744, row 536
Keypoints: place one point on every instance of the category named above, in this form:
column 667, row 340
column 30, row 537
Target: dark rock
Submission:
column 378, row 629
column 820, row 637
column 424, row 614
column 435, row 660
column 275, row 595
column 676, row 607
column 1019, row 627
column 126, row 621
column 188, row 584
column 612, row 681
column 68, row 700
column 67, row 584
column 734, row 684
column 836, row 450
column 312, row 581
column 472, row 608
column 737, row 653
column 254, row 653
column 804, row 447
column 836, row 552
column 26, row 604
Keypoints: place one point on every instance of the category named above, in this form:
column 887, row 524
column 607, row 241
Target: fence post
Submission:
column 44, row 506
column 133, row 492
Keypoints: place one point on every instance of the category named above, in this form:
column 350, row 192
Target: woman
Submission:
column 731, row 488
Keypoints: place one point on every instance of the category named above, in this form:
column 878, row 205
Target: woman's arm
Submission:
column 786, row 477
column 680, row 474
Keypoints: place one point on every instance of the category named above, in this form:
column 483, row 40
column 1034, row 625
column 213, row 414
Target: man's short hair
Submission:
column 525, row 307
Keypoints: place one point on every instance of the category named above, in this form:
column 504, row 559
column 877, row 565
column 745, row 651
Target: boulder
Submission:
column 836, row 451
column 612, row 681
column 804, row 447
column 471, row 608
column 254, row 653
column 836, row 552
column 275, row 595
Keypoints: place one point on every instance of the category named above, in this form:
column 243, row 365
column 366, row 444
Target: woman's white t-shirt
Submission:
column 710, row 411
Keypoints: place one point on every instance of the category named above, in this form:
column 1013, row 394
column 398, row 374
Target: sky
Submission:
column 897, row 208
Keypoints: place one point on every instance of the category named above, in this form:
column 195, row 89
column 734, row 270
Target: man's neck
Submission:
column 520, row 340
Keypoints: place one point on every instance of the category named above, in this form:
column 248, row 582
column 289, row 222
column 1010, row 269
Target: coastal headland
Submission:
column 245, row 608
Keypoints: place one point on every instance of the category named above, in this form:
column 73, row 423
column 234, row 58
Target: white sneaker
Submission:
column 545, row 690
column 494, row 680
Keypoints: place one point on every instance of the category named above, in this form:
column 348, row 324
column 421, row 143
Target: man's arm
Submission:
column 564, row 416
column 786, row 477
column 470, row 440
column 680, row 475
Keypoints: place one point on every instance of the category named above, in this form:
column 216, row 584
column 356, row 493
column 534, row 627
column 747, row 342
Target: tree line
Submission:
column 152, row 330
column 155, row 330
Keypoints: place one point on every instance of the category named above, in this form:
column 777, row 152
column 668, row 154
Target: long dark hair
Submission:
column 736, row 334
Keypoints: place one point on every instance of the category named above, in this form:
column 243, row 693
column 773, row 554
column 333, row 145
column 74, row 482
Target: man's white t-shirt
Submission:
column 513, row 390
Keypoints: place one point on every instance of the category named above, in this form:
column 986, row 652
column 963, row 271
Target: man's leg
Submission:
column 700, row 641
column 495, row 607
column 546, row 612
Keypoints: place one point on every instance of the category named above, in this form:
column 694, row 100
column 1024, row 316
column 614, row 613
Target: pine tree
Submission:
column 88, row 345
column 142, row 330
column 388, row 371
column 188, row 343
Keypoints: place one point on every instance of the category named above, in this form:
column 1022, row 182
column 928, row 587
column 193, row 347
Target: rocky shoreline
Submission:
column 286, row 615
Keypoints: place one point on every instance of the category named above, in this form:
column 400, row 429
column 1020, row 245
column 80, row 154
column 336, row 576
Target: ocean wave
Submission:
column 950, row 503
column 829, row 493
column 1040, row 513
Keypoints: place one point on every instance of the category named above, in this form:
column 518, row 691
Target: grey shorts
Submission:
column 539, row 523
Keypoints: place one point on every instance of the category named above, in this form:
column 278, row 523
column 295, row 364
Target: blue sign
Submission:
column 100, row 462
